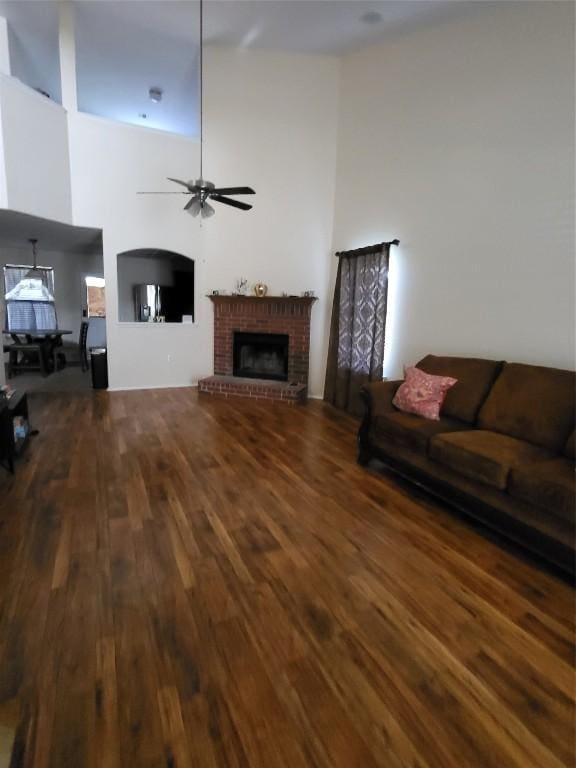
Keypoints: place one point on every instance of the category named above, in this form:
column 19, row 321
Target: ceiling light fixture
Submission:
column 34, row 273
column 371, row 17
column 37, row 284
column 155, row 94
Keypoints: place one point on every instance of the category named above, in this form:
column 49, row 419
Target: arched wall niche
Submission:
column 155, row 285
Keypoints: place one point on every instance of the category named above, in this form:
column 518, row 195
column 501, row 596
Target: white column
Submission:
column 67, row 41
column 4, row 70
column 4, row 48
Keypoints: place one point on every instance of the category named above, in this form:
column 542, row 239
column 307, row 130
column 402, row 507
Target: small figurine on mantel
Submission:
column 241, row 286
column 260, row 290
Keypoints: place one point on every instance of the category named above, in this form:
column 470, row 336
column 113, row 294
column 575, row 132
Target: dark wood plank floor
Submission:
column 193, row 582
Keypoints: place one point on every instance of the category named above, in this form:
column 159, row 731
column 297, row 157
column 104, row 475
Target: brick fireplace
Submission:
column 272, row 317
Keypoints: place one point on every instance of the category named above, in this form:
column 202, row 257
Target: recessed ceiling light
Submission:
column 155, row 94
column 371, row 17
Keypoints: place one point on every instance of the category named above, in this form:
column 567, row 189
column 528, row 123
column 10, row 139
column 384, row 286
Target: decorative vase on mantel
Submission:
column 260, row 290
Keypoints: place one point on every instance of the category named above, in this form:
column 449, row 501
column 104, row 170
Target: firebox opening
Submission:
column 261, row 356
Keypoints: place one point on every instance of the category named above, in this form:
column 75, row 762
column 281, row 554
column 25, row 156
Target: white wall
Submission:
column 4, row 48
column 459, row 140
column 3, row 182
column 271, row 123
column 35, row 153
column 33, row 42
column 110, row 163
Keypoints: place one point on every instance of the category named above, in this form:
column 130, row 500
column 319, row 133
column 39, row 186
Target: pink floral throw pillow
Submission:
column 422, row 394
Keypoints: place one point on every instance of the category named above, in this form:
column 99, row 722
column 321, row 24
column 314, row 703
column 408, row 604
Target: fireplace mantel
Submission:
column 232, row 298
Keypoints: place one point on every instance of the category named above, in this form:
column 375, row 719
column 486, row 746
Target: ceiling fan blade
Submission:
column 234, row 191
column 163, row 193
column 229, row 201
column 179, row 181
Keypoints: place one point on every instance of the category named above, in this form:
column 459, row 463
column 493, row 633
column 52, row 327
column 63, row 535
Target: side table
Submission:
column 15, row 429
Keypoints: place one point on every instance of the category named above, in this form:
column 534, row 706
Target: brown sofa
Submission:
column 503, row 450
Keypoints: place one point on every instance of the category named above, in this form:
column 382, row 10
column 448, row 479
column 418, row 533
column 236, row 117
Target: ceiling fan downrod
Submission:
column 202, row 190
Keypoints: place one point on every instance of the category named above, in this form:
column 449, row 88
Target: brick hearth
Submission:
column 272, row 314
column 258, row 389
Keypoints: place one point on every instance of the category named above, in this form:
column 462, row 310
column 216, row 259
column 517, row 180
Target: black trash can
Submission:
column 99, row 365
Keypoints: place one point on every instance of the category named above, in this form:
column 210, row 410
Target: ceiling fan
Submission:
column 201, row 189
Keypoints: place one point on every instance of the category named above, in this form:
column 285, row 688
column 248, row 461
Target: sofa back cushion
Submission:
column 475, row 377
column 532, row 403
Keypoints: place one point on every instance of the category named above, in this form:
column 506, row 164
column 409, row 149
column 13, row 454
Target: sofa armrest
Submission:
column 377, row 397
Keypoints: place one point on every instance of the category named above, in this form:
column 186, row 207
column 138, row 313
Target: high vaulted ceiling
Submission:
column 126, row 46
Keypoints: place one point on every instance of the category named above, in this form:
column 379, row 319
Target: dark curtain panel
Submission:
column 356, row 349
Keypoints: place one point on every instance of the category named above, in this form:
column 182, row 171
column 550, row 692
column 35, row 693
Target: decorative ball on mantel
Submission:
column 260, row 290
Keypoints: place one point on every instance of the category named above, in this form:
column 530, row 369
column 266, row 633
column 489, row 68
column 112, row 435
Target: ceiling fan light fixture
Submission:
column 207, row 211
column 194, row 208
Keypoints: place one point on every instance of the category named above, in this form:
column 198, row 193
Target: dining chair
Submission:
column 76, row 353
column 82, row 344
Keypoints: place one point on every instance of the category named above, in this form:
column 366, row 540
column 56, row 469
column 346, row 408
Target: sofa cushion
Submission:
column 475, row 377
column 547, row 484
column 413, row 431
column 481, row 455
column 531, row 403
column 422, row 393
column 570, row 447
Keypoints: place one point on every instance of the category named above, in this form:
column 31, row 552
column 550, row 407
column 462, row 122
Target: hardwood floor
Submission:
column 193, row 582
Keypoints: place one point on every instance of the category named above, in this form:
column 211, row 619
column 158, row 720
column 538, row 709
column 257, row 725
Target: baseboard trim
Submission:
column 153, row 386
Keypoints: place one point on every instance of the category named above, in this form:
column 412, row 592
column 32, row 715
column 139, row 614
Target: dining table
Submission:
column 49, row 339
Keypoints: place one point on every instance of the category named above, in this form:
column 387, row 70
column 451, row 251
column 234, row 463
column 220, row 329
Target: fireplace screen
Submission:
column 261, row 356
